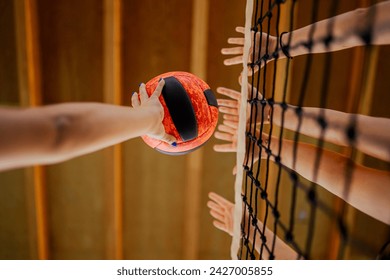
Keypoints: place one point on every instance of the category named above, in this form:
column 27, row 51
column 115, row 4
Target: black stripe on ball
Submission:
column 180, row 107
column 210, row 97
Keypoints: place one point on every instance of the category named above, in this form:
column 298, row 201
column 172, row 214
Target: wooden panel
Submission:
column 8, row 66
column 71, row 39
column 76, row 208
column 161, row 31
column 342, row 89
column 157, row 40
column 372, row 86
column 29, row 80
column 193, row 184
column 217, row 176
column 71, row 48
column 154, row 191
column 337, row 86
column 113, row 94
column 130, row 201
column 15, row 237
column 381, row 98
column 382, row 85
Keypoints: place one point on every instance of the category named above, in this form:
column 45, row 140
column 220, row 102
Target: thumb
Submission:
column 235, row 170
column 170, row 139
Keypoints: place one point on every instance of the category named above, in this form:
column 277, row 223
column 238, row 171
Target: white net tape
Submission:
column 241, row 135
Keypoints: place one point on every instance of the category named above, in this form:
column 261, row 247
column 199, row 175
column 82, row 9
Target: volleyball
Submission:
column 190, row 112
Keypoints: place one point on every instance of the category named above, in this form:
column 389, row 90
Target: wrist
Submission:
column 284, row 44
column 147, row 119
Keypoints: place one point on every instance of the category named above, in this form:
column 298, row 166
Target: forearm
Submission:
column 92, row 126
column 282, row 250
column 372, row 135
column 336, row 123
column 368, row 189
column 58, row 132
column 347, row 30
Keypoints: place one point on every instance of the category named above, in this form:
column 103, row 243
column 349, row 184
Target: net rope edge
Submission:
column 237, row 215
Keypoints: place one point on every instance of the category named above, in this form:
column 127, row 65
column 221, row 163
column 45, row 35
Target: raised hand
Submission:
column 222, row 211
column 259, row 47
column 227, row 131
column 154, row 107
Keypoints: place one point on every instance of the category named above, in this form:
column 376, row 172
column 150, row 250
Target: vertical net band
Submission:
column 278, row 203
column 241, row 138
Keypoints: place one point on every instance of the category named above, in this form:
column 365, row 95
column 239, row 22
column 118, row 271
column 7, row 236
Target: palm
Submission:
column 154, row 107
column 261, row 45
column 222, row 211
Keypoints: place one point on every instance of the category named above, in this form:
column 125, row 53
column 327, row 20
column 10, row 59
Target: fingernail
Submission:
column 174, row 144
column 134, row 92
column 140, row 84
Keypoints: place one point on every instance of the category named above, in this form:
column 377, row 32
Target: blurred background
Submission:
column 129, row 201
column 122, row 202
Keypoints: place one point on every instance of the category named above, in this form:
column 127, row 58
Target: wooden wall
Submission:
column 355, row 85
column 126, row 201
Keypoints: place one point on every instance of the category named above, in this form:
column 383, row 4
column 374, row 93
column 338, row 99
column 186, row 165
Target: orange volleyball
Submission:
column 190, row 112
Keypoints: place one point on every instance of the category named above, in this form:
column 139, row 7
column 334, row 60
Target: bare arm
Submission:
column 55, row 133
column 221, row 210
column 369, row 189
column 372, row 134
column 282, row 250
column 348, row 30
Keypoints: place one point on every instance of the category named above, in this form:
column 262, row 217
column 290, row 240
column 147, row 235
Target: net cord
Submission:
column 253, row 187
column 237, row 215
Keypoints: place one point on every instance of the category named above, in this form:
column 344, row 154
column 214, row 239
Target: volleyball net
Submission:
column 284, row 207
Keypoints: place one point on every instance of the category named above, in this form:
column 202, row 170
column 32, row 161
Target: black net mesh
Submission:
column 281, row 205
